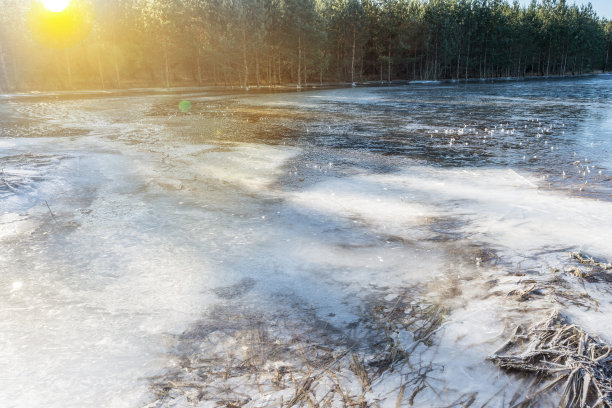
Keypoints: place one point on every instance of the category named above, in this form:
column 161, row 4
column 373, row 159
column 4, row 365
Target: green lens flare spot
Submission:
column 185, row 106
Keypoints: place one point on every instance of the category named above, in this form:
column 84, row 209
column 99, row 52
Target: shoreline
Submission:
column 224, row 89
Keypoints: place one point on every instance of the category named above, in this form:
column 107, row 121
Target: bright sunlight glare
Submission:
column 56, row 6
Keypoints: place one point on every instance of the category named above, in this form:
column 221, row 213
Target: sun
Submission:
column 59, row 23
column 56, row 6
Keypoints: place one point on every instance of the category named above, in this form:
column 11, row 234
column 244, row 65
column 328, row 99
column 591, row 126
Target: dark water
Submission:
column 553, row 128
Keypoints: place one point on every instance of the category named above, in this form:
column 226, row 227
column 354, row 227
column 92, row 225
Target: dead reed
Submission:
column 237, row 358
column 568, row 359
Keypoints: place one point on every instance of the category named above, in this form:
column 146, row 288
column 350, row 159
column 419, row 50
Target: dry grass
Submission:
column 571, row 361
column 289, row 357
column 590, row 261
column 233, row 360
column 594, row 277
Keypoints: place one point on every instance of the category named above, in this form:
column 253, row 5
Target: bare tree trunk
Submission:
column 115, row 17
column 305, row 70
column 414, row 65
column 276, row 65
column 435, row 66
column 269, row 69
column 4, row 79
column 389, row 62
column 458, row 63
column 100, row 70
column 117, row 76
column 166, row 68
column 361, row 66
column 321, row 74
column 116, row 64
column 215, row 73
column 257, row 68
column 548, row 61
column 224, row 71
column 244, row 59
column 69, row 68
column 485, row 64
column 421, row 69
column 199, row 68
column 299, row 68
column 467, row 61
column 280, row 77
column 353, row 55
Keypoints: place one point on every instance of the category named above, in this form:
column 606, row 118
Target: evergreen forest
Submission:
column 101, row 44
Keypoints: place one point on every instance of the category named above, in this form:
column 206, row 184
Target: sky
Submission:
column 602, row 7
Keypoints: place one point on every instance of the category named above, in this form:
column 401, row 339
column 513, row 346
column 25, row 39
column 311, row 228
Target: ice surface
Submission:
column 14, row 225
column 135, row 239
column 97, row 289
column 253, row 167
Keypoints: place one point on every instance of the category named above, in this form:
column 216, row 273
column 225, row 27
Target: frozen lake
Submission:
column 370, row 245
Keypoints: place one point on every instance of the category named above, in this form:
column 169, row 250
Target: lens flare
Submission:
column 185, row 106
column 60, row 23
column 56, row 6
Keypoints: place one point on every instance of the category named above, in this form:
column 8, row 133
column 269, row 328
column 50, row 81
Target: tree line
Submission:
column 246, row 43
